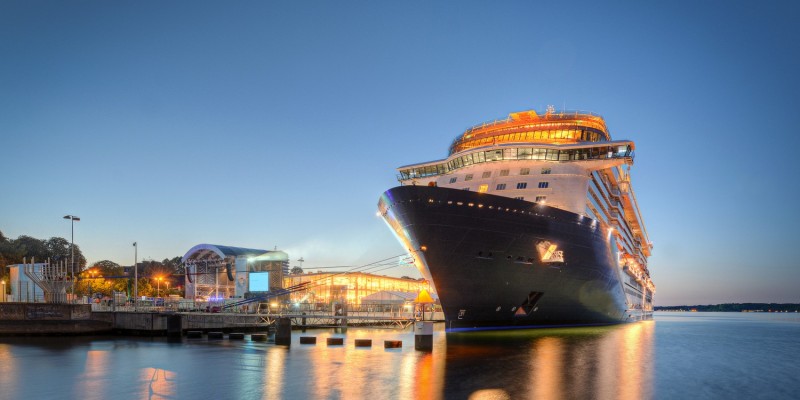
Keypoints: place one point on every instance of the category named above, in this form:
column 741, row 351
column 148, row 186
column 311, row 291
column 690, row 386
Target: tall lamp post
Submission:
column 72, row 219
column 135, row 276
column 4, row 290
column 158, row 286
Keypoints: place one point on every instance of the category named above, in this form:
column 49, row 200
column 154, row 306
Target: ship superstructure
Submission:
column 530, row 220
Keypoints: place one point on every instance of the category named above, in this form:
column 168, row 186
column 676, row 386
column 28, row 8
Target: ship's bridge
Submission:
column 553, row 127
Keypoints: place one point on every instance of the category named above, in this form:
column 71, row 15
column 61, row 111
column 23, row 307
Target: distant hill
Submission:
column 735, row 307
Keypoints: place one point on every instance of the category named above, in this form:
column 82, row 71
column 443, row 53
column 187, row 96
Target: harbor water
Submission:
column 678, row 355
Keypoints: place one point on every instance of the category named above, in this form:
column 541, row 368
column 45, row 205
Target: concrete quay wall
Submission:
column 78, row 319
column 149, row 323
column 49, row 319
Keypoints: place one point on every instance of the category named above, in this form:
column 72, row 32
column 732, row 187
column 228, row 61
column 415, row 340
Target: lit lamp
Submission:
column 158, row 286
column 3, row 283
column 72, row 219
column 91, row 278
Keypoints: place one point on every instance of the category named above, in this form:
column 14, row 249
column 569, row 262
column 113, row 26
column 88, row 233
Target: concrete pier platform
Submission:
column 25, row 319
column 79, row 319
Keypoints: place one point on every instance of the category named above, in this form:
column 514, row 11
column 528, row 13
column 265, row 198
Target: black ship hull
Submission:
column 498, row 262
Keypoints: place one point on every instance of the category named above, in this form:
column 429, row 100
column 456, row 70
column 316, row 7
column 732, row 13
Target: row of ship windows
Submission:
column 573, row 134
column 502, row 172
column 502, row 186
column 539, row 199
column 523, row 153
column 521, row 185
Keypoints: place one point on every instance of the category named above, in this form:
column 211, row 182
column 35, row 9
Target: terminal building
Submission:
column 215, row 273
column 325, row 288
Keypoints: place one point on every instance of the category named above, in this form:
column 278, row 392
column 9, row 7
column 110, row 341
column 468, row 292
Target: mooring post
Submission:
column 423, row 335
column 174, row 325
column 283, row 333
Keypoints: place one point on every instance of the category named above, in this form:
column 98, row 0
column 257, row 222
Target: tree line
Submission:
column 100, row 278
column 734, row 307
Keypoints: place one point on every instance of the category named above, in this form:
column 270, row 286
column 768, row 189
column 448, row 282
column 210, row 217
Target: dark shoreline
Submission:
column 735, row 307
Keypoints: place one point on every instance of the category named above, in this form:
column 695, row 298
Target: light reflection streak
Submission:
column 8, row 368
column 636, row 382
column 273, row 374
column 321, row 369
column 547, row 368
column 94, row 378
column 408, row 374
column 157, row 383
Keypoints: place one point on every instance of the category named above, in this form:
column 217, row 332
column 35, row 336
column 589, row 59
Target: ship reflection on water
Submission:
column 591, row 362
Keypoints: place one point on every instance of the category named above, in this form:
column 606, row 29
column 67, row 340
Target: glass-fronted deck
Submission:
column 612, row 150
column 528, row 126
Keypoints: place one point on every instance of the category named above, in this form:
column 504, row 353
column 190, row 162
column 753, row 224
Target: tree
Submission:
column 296, row 271
column 170, row 270
column 27, row 248
column 60, row 249
column 102, row 277
column 55, row 249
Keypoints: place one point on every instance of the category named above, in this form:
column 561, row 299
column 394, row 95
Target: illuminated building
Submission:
column 327, row 288
column 215, row 272
column 530, row 220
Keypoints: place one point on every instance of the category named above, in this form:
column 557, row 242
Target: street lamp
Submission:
column 72, row 219
column 4, row 290
column 158, row 286
column 135, row 276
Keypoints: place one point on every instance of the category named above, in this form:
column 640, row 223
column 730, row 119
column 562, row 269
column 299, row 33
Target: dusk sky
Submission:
column 264, row 124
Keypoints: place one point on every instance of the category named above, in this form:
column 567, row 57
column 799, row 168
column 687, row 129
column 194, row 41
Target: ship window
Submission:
column 487, row 174
column 503, row 172
column 520, row 198
column 540, row 199
column 468, row 177
column 501, row 186
column 466, row 188
column 522, row 185
column 483, row 188
column 544, row 185
column 546, row 171
column 524, row 171
column 454, row 179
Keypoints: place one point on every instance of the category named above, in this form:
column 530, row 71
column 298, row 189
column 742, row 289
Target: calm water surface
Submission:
column 677, row 356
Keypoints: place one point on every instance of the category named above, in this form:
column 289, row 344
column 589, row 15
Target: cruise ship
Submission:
column 531, row 220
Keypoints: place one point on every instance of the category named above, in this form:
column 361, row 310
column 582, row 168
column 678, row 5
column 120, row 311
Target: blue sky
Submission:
column 263, row 124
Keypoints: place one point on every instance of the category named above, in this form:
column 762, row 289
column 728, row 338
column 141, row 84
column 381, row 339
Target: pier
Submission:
column 71, row 319
column 157, row 323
